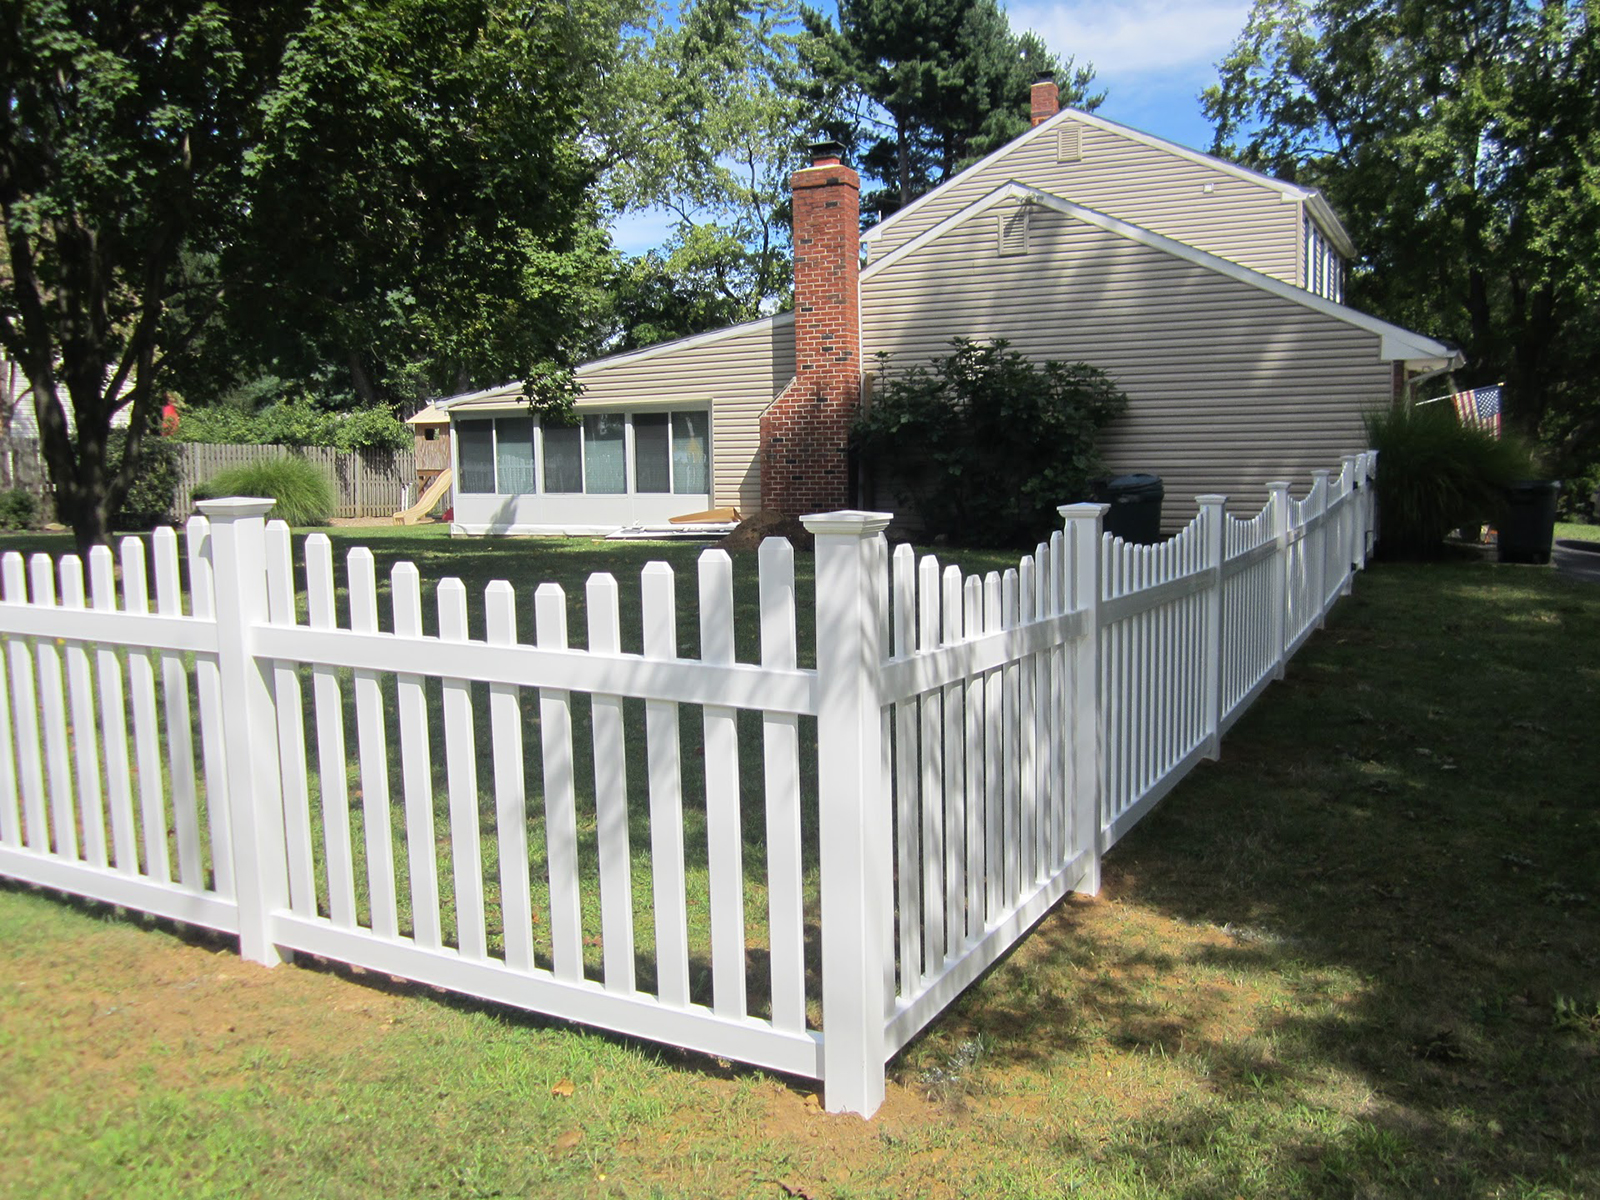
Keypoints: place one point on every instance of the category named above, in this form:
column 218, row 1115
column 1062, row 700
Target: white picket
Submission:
column 85, row 726
column 372, row 748
column 53, row 717
column 113, row 719
column 208, row 691
column 175, row 697
column 955, row 819
column 560, row 800
column 25, row 713
column 146, row 739
column 1027, row 730
column 908, row 830
column 287, row 698
column 933, row 767
column 510, row 786
column 664, row 754
column 10, row 798
column 611, row 795
column 461, row 772
column 328, row 700
column 781, row 759
column 977, row 787
column 724, row 836
column 994, row 855
column 416, row 763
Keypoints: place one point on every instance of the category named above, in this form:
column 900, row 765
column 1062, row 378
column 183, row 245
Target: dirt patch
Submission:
column 759, row 526
column 175, row 1013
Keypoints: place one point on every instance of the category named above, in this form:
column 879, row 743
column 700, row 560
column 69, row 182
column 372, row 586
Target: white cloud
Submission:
column 1140, row 38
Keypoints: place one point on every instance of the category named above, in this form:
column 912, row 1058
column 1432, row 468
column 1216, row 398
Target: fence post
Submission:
column 1278, row 504
column 1350, row 522
column 1085, row 524
column 1319, row 559
column 249, row 722
column 854, row 815
column 1211, row 521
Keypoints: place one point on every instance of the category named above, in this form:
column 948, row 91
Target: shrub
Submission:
column 18, row 509
column 303, row 494
column 1435, row 474
column 987, row 444
column 295, row 423
column 149, row 500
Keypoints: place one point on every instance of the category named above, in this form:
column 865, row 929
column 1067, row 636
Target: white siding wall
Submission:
column 1244, row 221
column 1230, row 386
column 736, row 376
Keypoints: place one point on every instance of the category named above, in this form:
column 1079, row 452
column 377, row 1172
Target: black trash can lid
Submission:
column 1534, row 485
column 1132, row 483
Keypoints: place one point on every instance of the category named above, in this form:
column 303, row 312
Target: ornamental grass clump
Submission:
column 302, row 494
column 1436, row 474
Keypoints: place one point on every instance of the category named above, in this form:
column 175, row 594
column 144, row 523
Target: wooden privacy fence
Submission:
column 794, row 866
column 367, row 483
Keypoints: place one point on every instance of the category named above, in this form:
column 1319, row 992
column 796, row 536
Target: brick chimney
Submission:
column 1046, row 97
column 806, row 430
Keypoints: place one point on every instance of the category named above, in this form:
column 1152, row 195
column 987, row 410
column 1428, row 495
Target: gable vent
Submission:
column 1069, row 142
column 1013, row 232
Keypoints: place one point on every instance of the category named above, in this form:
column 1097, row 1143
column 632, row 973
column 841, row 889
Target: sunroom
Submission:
column 610, row 469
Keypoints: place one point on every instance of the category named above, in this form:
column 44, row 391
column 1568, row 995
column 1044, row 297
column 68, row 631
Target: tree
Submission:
column 921, row 89
column 1459, row 143
column 402, row 183
column 721, row 124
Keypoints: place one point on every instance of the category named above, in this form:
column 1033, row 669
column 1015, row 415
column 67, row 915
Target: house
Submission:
column 1211, row 294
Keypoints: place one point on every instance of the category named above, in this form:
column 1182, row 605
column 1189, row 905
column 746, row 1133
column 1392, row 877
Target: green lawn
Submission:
column 1355, row 958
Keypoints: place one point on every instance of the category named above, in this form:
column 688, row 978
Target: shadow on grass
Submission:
column 1365, row 941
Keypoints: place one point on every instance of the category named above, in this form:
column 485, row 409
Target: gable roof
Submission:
column 1314, row 199
column 1397, row 343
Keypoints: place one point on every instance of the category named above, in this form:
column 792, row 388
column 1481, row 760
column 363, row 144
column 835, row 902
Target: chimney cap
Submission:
column 826, row 149
column 1045, row 75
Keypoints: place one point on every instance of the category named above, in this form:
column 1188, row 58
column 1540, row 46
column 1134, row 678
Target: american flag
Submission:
column 1480, row 407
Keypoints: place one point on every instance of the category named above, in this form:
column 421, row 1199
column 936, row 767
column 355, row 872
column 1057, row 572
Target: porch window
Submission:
column 691, row 437
column 513, row 447
column 652, row 452
column 475, row 455
column 563, row 458
column 605, row 469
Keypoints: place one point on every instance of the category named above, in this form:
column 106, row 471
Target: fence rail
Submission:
column 635, row 838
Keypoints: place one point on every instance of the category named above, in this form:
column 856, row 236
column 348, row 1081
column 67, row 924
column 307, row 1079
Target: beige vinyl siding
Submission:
column 1245, row 221
column 736, row 374
column 1230, row 386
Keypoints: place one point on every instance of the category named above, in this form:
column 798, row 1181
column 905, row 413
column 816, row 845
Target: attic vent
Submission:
column 1013, row 231
column 1069, row 146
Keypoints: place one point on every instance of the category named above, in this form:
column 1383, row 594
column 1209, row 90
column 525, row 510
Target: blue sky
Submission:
column 1152, row 57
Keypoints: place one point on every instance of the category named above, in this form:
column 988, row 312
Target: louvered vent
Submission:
column 1013, row 232
column 1069, row 145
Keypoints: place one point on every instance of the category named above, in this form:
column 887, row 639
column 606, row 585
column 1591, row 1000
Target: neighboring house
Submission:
column 1210, row 293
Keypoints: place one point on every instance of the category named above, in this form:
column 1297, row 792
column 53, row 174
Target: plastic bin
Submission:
column 1135, row 502
column 1528, row 525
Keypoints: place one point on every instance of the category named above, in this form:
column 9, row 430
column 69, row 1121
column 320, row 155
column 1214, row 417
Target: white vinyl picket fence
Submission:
column 797, row 867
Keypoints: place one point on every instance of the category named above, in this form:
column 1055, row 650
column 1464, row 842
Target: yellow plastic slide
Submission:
column 440, row 485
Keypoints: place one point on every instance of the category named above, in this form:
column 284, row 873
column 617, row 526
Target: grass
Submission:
column 1355, row 958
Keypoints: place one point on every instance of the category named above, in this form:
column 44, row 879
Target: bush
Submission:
column 18, row 509
column 295, row 423
column 987, row 444
column 1435, row 474
column 149, row 500
column 303, row 494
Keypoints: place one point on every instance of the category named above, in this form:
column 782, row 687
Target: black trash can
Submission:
column 1528, row 523
column 1135, row 502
